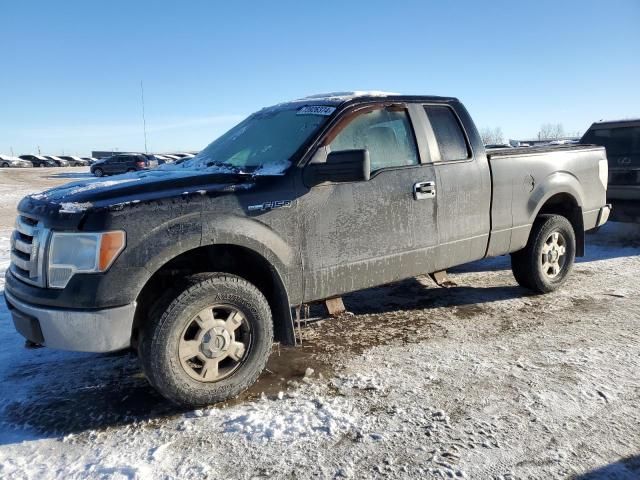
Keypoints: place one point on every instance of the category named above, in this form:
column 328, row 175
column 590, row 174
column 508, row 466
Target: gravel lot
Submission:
column 482, row 380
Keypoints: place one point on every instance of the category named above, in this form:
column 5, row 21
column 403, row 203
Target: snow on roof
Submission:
column 10, row 157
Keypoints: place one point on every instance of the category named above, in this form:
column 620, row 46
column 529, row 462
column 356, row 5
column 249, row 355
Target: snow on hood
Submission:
column 203, row 164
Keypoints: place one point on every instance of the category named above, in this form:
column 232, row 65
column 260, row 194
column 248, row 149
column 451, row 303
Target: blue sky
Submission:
column 71, row 70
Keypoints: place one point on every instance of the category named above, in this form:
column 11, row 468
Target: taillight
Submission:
column 140, row 163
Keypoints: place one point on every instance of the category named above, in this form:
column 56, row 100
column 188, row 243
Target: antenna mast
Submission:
column 144, row 121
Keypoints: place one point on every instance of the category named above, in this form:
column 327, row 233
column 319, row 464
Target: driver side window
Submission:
column 387, row 135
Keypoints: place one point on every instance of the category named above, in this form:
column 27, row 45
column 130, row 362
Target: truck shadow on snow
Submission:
column 628, row 467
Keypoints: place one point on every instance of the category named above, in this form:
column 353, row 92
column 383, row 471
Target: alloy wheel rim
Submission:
column 553, row 257
column 214, row 343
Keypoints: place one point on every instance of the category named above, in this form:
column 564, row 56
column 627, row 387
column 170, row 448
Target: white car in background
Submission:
column 75, row 161
column 15, row 162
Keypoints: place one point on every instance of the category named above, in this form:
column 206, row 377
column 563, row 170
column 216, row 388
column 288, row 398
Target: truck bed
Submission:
column 524, row 179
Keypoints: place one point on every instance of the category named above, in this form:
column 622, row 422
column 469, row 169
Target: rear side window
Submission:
column 386, row 134
column 617, row 141
column 449, row 135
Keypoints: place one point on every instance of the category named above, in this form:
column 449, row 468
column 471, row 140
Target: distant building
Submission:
column 532, row 142
column 104, row 153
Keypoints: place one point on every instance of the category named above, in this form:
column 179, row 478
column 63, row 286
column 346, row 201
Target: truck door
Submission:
column 463, row 182
column 360, row 234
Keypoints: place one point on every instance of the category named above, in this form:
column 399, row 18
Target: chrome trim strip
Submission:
column 21, row 262
column 21, row 245
column 23, row 228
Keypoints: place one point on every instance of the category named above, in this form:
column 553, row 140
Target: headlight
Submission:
column 71, row 253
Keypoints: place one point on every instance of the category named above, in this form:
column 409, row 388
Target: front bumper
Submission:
column 104, row 330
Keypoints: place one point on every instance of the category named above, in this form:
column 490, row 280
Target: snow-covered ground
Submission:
column 478, row 381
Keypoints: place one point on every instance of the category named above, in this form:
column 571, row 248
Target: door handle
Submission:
column 424, row 190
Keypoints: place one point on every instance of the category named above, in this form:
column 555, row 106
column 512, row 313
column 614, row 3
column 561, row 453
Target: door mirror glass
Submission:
column 340, row 167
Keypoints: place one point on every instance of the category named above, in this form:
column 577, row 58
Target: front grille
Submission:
column 28, row 243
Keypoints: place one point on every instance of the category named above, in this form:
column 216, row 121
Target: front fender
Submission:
column 256, row 236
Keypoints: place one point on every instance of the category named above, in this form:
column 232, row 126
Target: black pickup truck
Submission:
column 197, row 266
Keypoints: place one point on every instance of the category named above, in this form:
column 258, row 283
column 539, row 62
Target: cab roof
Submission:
column 339, row 99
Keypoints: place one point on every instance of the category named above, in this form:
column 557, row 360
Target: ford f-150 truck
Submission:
column 198, row 266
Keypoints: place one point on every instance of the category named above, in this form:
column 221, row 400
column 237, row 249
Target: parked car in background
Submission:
column 157, row 159
column 121, row 163
column 75, row 161
column 39, row 161
column 15, row 162
column 90, row 160
column 621, row 139
column 58, row 161
column 497, row 145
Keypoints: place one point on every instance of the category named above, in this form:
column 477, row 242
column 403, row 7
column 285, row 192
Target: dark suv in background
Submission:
column 622, row 141
column 121, row 163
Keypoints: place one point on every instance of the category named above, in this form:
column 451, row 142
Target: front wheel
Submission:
column 543, row 265
column 207, row 341
column 98, row 172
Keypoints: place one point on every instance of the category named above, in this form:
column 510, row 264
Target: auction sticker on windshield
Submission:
column 316, row 110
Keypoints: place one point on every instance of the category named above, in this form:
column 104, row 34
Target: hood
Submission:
column 136, row 187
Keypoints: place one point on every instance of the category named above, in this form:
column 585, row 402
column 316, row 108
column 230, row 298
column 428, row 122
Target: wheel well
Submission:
column 566, row 205
column 232, row 259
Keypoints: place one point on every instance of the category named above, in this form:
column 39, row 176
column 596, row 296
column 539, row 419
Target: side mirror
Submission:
column 340, row 167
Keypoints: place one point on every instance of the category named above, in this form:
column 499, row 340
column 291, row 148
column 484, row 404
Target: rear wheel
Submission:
column 207, row 341
column 98, row 172
column 543, row 265
column 4, row 165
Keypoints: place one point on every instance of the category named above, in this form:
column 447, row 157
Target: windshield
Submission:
column 263, row 144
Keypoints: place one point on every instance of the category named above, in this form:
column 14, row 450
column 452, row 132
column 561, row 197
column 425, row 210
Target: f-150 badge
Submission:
column 270, row 205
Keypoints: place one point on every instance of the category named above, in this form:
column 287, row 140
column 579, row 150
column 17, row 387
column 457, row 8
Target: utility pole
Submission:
column 144, row 121
column 38, row 149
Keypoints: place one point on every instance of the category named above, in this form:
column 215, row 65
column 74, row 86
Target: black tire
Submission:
column 528, row 264
column 171, row 318
column 98, row 172
column 4, row 165
column 42, row 165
